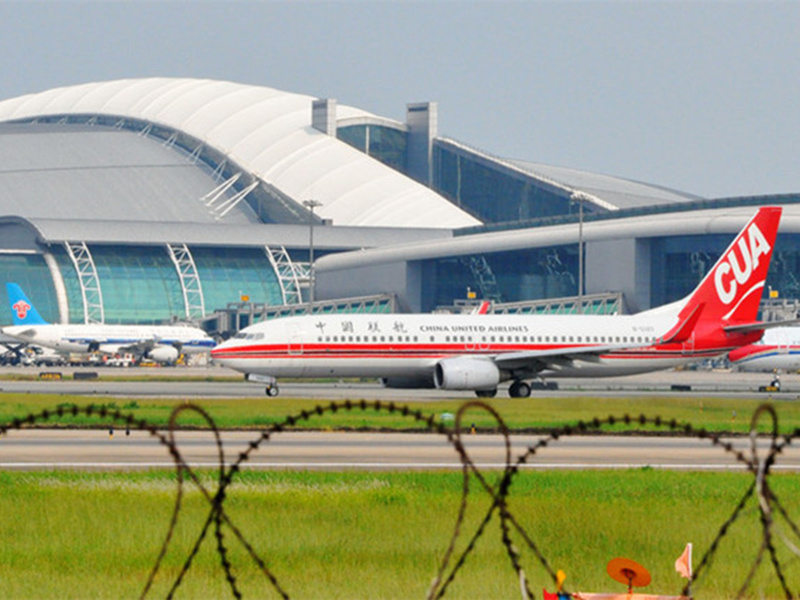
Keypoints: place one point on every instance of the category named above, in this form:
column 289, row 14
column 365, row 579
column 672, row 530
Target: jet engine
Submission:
column 466, row 374
column 164, row 354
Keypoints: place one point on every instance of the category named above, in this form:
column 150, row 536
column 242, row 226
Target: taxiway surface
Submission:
column 97, row 449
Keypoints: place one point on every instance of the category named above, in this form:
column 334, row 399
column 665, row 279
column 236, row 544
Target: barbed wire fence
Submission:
column 758, row 464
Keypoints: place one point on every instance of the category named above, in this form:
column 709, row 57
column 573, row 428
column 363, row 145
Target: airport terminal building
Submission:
column 159, row 199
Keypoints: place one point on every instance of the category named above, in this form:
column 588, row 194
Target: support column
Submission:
column 290, row 274
column 91, row 292
column 323, row 116
column 422, row 119
column 190, row 280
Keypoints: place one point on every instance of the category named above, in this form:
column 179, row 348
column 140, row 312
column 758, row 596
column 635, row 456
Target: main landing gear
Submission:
column 518, row 389
column 272, row 390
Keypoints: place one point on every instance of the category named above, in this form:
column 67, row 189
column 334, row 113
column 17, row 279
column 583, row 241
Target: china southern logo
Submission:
column 737, row 267
column 21, row 307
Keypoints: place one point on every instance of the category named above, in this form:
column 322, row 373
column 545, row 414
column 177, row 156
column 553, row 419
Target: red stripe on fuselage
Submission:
column 417, row 351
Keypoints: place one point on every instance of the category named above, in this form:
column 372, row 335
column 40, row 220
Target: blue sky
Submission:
column 702, row 97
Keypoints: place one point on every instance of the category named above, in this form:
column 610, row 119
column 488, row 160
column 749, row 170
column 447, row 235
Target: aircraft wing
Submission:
column 111, row 346
column 539, row 360
column 138, row 348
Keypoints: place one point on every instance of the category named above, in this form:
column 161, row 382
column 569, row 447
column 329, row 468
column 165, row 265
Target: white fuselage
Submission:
column 111, row 338
column 410, row 346
column 777, row 358
column 778, row 350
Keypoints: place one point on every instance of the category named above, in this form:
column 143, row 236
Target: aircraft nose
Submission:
column 219, row 348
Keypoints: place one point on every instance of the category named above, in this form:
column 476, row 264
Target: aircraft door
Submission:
column 295, row 344
column 687, row 348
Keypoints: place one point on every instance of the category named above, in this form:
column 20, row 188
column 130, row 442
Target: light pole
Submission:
column 311, row 205
column 579, row 197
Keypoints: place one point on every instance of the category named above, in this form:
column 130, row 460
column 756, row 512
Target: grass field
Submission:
column 362, row 535
column 531, row 414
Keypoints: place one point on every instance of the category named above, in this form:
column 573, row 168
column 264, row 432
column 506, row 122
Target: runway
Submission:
column 97, row 449
column 216, row 382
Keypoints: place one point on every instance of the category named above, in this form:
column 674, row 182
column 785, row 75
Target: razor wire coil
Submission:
column 451, row 564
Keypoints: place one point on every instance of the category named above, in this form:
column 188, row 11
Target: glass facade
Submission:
column 679, row 263
column 491, row 194
column 31, row 273
column 488, row 191
column 227, row 274
column 784, row 271
column 536, row 274
column 71, row 284
column 386, row 144
column 140, row 285
column 532, row 274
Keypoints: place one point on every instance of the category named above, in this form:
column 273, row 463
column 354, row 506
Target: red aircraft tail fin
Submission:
column 731, row 291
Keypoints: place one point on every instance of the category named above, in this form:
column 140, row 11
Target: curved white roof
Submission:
column 267, row 132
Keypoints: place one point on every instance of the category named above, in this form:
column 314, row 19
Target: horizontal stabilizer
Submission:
column 759, row 326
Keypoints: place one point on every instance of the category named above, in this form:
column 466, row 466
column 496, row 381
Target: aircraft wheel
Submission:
column 486, row 393
column 272, row 390
column 519, row 389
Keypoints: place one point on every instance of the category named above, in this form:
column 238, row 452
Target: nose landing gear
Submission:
column 271, row 388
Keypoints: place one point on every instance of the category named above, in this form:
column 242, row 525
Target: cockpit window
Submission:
column 249, row 336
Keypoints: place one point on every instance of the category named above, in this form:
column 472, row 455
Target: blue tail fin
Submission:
column 22, row 310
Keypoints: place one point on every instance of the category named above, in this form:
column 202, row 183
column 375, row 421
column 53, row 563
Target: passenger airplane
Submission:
column 161, row 343
column 778, row 350
column 477, row 352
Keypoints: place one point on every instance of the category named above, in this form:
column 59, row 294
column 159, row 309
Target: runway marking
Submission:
column 388, row 466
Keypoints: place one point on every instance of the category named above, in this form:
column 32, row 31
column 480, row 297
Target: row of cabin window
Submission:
column 366, row 338
column 601, row 339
